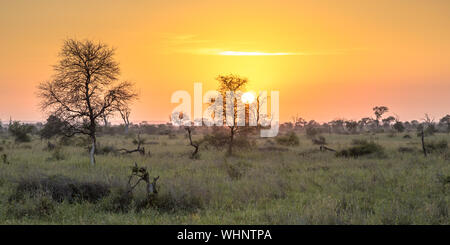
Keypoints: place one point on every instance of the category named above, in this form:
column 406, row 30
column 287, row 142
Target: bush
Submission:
column 236, row 171
column 243, row 143
column 182, row 195
column 320, row 140
column 53, row 127
column 120, row 200
column 361, row 149
column 311, row 132
column 40, row 205
column 60, row 188
column 104, row 150
column 290, row 139
column 217, row 140
column 436, row 146
column 359, row 142
column 404, row 149
column 20, row 132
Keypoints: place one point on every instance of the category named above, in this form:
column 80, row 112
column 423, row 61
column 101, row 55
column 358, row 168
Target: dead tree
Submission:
column 196, row 145
column 124, row 112
column 139, row 149
column 142, row 174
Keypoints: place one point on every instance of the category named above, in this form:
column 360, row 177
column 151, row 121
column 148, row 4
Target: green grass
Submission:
column 298, row 186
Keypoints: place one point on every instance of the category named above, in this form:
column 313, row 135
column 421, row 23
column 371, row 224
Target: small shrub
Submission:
column 243, row 143
column 40, row 205
column 236, row 171
column 291, row 139
column 20, row 132
column 57, row 154
column 436, row 146
column 404, row 149
column 181, row 195
column 311, row 132
column 366, row 148
column 217, row 140
column 5, row 159
column 60, row 188
column 359, row 142
column 106, row 149
column 320, row 140
column 407, row 136
column 120, row 200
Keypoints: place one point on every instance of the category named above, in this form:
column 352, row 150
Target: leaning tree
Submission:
column 84, row 88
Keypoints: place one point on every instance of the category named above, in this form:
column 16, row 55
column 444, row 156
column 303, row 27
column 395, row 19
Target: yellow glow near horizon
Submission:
column 337, row 63
column 251, row 53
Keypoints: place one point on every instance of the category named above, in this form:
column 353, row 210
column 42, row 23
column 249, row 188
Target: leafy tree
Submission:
column 399, row 126
column 53, row 127
column 351, row 126
column 446, row 121
column 231, row 83
column 379, row 111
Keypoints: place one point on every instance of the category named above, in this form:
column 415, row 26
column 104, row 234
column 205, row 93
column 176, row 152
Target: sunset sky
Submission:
column 329, row 59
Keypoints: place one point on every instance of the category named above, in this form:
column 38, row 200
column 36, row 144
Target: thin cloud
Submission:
column 191, row 44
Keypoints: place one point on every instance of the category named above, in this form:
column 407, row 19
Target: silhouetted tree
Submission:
column 231, row 83
column 379, row 111
column 351, row 126
column 20, row 131
column 446, row 121
column 84, row 87
column 53, row 127
column 298, row 121
column 125, row 111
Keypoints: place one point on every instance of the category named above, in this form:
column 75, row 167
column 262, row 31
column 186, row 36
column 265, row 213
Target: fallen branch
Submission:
column 324, row 148
column 139, row 149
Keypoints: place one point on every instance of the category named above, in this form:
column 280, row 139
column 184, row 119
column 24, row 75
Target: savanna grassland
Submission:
column 264, row 183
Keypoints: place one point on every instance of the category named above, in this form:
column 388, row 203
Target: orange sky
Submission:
column 335, row 59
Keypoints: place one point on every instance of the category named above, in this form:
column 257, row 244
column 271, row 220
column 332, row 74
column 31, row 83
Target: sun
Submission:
column 248, row 98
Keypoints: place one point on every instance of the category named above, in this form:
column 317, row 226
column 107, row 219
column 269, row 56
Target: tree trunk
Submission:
column 92, row 153
column 423, row 144
column 126, row 128
column 230, row 146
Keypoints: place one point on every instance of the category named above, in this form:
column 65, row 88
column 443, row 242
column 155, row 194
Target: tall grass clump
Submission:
column 290, row 139
column 362, row 148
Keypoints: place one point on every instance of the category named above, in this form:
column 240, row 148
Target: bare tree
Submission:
column 298, row 121
column 84, row 87
column 231, row 83
column 194, row 144
column 124, row 111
